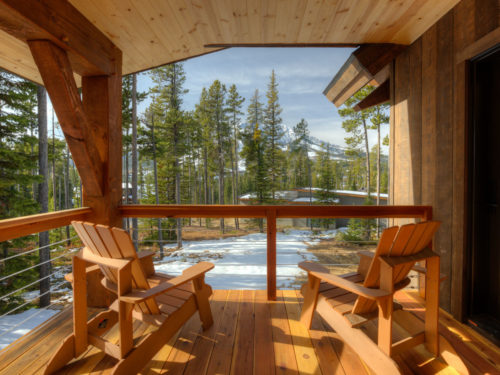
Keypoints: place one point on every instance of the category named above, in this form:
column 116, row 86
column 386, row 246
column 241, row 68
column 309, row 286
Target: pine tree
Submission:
column 253, row 152
column 273, row 134
column 301, row 164
column 18, row 100
column 202, row 115
column 169, row 81
column 149, row 148
column 356, row 125
column 218, row 121
column 234, row 104
column 326, row 180
column 378, row 118
column 135, row 229
column 43, row 196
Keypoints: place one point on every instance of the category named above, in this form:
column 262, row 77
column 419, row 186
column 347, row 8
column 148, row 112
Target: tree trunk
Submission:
column 309, row 172
column 54, row 193
column 157, row 197
column 135, row 233
column 236, row 186
column 368, row 180
column 127, row 191
column 367, row 150
column 177, row 188
column 190, row 187
column 221, row 180
column 378, row 176
column 43, row 196
column 66, row 193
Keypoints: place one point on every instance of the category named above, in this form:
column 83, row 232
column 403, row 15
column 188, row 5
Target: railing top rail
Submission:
column 25, row 225
column 289, row 211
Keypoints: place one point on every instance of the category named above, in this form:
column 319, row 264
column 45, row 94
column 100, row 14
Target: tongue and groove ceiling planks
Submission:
column 151, row 33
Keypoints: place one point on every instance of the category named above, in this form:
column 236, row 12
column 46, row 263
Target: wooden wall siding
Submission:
column 428, row 131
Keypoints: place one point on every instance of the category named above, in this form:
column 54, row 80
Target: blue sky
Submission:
column 302, row 74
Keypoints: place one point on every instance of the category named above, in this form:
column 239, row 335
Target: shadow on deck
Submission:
column 251, row 336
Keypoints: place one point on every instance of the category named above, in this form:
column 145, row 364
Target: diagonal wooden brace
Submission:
column 57, row 75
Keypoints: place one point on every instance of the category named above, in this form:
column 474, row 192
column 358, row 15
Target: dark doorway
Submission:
column 484, row 222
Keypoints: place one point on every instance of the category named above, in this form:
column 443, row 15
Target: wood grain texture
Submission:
column 333, row 355
column 231, row 211
column 443, row 153
column 25, row 225
column 90, row 51
column 153, row 33
column 101, row 102
column 57, row 75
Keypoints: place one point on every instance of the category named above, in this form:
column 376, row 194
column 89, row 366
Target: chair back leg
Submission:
column 432, row 305
column 310, row 293
column 80, row 329
column 202, row 293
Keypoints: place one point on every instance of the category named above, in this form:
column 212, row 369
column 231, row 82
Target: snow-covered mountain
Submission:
column 338, row 152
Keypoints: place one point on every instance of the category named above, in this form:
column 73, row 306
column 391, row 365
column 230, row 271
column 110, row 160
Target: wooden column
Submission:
column 92, row 126
column 271, row 255
column 102, row 106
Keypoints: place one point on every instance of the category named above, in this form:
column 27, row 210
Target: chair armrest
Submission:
column 193, row 272
column 146, row 259
column 360, row 290
column 318, row 271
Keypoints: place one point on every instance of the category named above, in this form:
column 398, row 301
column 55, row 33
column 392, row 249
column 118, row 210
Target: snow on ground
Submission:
column 240, row 262
column 14, row 326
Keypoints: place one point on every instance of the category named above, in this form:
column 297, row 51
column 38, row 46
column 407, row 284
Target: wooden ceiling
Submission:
column 155, row 32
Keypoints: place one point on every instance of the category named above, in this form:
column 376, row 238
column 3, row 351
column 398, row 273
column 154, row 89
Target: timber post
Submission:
column 271, row 254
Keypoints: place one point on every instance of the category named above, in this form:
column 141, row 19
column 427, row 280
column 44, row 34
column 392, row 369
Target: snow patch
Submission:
column 240, row 262
column 14, row 326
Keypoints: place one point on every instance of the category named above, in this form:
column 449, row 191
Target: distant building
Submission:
column 308, row 196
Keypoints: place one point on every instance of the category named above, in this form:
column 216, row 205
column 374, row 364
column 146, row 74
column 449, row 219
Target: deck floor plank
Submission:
column 284, row 352
column 307, row 361
column 253, row 336
column 243, row 359
column 221, row 358
column 327, row 357
column 204, row 344
column 264, row 362
column 28, row 341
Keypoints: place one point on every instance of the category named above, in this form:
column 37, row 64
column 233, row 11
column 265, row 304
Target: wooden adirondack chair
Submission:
column 156, row 299
column 349, row 301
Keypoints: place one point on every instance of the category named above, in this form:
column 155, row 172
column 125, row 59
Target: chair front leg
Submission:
column 310, row 292
column 432, row 305
column 202, row 292
column 385, row 307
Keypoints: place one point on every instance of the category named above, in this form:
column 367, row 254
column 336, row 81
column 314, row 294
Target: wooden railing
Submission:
column 271, row 214
column 26, row 225
column 23, row 226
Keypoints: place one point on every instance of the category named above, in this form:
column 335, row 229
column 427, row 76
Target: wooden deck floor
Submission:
column 251, row 336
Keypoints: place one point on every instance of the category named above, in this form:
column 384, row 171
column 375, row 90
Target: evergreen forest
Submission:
column 226, row 147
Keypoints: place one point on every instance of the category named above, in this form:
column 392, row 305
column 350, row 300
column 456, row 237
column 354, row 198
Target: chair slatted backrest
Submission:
column 395, row 241
column 115, row 243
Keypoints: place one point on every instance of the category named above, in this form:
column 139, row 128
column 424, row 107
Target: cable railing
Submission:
column 275, row 250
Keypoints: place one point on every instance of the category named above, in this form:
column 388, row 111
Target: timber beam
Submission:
column 89, row 50
column 368, row 64
column 57, row 75
column 381, row 94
